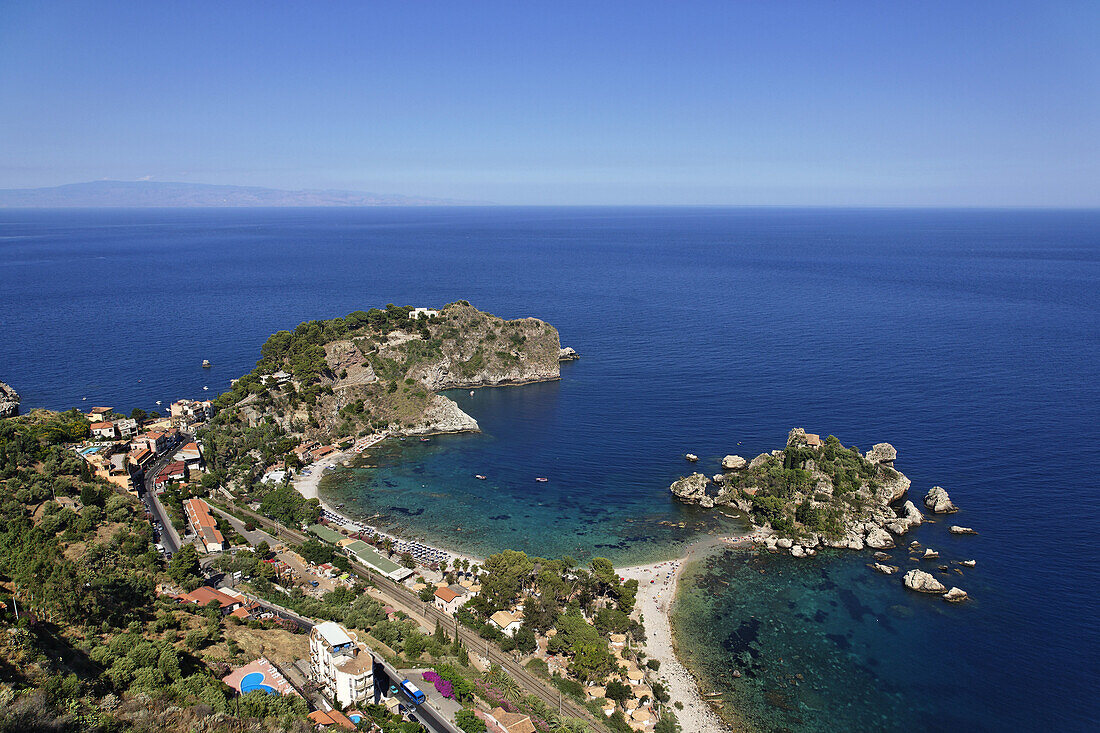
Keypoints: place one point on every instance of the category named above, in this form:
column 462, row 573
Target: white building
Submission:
column 506, row 622
column 416, row 313
column 341, row 665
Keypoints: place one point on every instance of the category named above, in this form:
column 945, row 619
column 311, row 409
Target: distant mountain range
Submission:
column 97, row 194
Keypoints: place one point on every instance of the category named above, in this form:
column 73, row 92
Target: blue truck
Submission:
column 413, row 692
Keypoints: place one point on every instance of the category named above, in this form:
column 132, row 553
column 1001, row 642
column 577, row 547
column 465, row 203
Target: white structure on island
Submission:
column 416, row 313
column 341, row 665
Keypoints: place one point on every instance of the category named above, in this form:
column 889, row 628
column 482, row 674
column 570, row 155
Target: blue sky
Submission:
column 735, row 102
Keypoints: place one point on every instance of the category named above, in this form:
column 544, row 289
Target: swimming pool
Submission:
column 255, row 681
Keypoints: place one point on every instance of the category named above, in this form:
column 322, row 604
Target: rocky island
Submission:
column 814, row 492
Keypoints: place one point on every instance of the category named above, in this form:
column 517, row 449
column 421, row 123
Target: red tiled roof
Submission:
column 204, row 594
column 101, row 425
column 445, row 594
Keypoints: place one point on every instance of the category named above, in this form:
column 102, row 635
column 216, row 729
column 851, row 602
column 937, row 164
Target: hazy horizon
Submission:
column 700, row 103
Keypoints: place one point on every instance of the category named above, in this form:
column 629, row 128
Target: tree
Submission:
column 469, row 722
column 618, row 692
column 184, row 564
column 525, row 639
column 506, row 574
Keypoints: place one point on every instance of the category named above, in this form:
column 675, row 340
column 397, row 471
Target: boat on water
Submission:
column 205, row 389
column 205, row 363
column 479, row 476
column 541, row 479
column 425, row 440
column 471, row 393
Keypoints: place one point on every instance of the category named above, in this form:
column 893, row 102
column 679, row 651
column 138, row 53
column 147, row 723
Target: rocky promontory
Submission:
column 378, row 371
column 9, row 401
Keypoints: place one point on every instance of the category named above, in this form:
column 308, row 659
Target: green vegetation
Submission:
column 783, row 490
column 93, row 647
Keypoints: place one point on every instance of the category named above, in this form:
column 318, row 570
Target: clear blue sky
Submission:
column 731, row 102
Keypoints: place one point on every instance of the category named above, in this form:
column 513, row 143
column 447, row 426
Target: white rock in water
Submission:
column 810, row 551
column 910, row 512
column 956, row 529
column 855, row 542
column 922, row 582
column 938, row 501
column 930, row 554
column 968, row 563
column 770, row 543
column 898, row 526
column 955, row 595
column 884, row 569
column 797, row 551
column 879, row 539
column 733, row 463
column 691, row 457
column 784, row 543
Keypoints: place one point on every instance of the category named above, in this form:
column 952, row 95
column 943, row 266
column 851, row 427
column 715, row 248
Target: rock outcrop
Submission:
column 442, row 416
column 968, row 563
column 733, row 463
column 955, row 595
column 909, row 511
column 691, row 457
column 884, row 569
column 930, row 554
column 878, row 539
column 692, row 489
column 922, row 582
column 9, row 401
column 938, row 501
column 882, row 453
column 568, row 353
column 956, row 529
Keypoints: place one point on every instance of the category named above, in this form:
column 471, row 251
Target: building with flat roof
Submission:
column 200, row 518
column 341, row 665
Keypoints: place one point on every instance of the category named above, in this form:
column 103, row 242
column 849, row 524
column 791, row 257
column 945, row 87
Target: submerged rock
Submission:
column 879, row 539
column 938, row 501
column 733, row 463
column 922, row 582
column 881, row 556
column 955, row 595
column 956, row 529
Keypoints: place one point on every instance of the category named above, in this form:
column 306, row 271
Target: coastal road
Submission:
column 169, row 537
column 404, row 599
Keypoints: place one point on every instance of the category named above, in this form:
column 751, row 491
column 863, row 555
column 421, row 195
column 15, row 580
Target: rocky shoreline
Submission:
column 9, row 401
column 817, row 494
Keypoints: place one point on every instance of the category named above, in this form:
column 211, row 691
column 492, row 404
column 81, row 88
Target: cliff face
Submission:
column 9, row 401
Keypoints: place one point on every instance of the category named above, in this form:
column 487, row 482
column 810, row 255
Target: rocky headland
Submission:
column 9, row 401
column 377, row 372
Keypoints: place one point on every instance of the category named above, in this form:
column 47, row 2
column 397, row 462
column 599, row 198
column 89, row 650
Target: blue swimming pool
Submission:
column 255, row 681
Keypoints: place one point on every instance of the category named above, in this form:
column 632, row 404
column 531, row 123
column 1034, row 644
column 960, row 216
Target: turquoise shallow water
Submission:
column 588, row 507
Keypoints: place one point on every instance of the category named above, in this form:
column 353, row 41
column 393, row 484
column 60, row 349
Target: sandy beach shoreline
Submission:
column 657, row 586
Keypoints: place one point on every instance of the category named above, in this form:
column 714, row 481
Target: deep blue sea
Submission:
column 968, row 339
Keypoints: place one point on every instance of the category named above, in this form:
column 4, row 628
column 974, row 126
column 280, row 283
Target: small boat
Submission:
column 471, row 393
column 158, row 402
column 425, row 440
column 541, row 479
column 480, row 477
column 205, row 363
column 205, row 389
